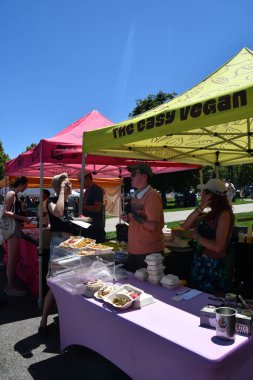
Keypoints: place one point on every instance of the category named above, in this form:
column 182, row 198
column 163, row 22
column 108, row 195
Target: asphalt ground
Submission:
column 24, row 355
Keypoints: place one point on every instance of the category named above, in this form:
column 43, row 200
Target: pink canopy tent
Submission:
column 63, row 153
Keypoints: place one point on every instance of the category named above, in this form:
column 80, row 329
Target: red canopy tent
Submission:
column 63, row 153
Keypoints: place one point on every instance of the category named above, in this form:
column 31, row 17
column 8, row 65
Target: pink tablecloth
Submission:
column 28, row 264
column 160, row 341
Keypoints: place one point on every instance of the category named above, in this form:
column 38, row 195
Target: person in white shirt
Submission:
column 230, row 191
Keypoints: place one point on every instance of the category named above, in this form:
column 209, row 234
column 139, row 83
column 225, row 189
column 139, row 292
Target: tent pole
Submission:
column 201, row 176
column 122, row 197
column 82, row 182
column 40, row 301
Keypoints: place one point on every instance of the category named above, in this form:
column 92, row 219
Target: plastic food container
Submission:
column 141, row 274
column 154, row 258
column 127, row 289
column 121, row 301
column 94, row 285
column 155, row 269
column 170, row 281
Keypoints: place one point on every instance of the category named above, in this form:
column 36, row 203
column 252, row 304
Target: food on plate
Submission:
column 85, row 253
column 76, row 242
column 99, row 246
column 104, row 291
column 121, row 300
column 94, row 285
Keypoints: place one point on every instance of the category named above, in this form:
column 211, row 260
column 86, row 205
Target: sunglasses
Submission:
column 134, row 174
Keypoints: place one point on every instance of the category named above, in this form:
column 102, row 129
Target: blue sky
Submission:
column 60, row 59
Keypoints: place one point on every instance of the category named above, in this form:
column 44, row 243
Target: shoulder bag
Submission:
column 7, row 226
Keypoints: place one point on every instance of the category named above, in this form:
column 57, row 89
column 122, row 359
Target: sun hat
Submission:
column 214, row 185
column 143, row 168
column 57, row 179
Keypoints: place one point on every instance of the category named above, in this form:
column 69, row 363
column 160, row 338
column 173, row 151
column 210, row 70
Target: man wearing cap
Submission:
column 146, row 219
column 213, row 230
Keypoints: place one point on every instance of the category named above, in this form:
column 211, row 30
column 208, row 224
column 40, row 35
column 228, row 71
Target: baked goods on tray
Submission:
column 76, row 242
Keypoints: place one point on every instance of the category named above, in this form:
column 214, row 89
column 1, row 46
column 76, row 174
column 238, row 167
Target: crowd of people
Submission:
column 212, row 222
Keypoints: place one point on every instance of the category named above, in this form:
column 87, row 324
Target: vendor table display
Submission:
column 162, row 340
column 28, row 265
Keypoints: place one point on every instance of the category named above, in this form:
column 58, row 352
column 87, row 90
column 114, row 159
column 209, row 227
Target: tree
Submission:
column 32, row 145
column 151, row 101
column 3, row 158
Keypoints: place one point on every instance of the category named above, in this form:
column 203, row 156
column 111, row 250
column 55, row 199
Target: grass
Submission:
column 237, row 222
column 171, row 207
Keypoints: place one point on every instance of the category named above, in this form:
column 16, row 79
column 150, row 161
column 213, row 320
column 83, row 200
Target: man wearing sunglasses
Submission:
column 146, row 219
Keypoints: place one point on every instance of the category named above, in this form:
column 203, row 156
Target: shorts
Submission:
column 17, row 232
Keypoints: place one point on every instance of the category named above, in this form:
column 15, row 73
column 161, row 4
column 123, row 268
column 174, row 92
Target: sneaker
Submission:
column 14, row 292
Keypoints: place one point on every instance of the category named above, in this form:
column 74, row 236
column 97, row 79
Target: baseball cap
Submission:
column 143, row 168
column 57, row 179
column 214, row 185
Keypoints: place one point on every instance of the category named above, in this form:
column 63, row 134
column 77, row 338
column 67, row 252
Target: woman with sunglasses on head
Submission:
column 59, row 213
column 213, row 230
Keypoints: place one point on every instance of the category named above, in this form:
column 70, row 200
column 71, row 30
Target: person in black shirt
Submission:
column 93, row 207
column 61, row 228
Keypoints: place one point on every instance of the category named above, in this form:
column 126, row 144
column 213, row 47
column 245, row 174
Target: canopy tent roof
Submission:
column 63, row 153
column 34, row 182
column 211, row 124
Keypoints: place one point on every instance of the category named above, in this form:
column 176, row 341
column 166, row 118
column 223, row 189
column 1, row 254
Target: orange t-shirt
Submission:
column 140, row 239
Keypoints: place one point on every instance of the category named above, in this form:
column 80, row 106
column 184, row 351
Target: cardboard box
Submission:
column 208, row 319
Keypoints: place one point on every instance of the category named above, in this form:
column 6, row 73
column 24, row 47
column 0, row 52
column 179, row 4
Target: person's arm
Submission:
column 57, row 209
column 219, row 243
column 10, row 200
column 193, row 219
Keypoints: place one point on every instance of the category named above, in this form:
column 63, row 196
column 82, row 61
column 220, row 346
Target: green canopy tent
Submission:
column 211, row 124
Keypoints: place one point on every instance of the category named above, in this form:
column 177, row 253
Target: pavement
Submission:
column 24, row 355
column 173, row 216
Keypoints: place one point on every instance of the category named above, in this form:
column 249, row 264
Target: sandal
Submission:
column 13, row 292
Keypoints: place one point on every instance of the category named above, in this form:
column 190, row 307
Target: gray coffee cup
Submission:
column 225, row 323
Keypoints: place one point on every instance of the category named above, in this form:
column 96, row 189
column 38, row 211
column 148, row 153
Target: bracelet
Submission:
column 199, row 210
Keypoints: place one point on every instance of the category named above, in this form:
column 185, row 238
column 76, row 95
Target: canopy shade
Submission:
column 63, row 153
column 34, row 182
column 211, row 124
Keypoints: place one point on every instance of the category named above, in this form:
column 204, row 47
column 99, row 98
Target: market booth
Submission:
column 160, row 334
column 211, row 124
column 63, row 153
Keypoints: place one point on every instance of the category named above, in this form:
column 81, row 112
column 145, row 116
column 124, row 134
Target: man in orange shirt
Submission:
column 146, row 219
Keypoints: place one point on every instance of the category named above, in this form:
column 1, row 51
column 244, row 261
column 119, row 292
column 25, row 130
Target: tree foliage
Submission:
column 32, row 145
column 3, row 158
column 151, row 101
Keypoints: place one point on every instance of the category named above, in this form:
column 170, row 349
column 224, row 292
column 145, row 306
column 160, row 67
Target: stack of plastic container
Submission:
column 155, row 268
